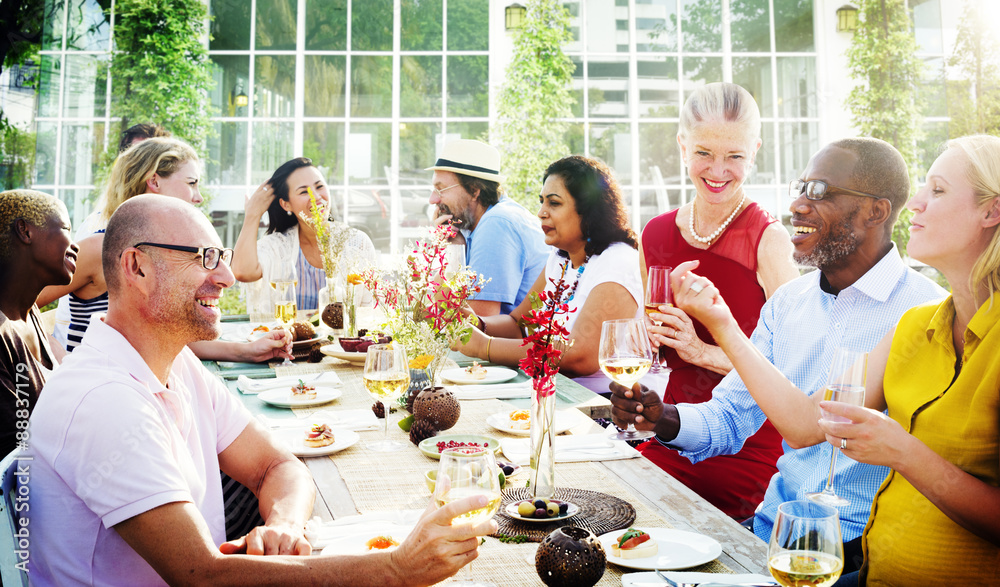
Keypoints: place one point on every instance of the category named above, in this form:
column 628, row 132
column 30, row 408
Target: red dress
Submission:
column 733, row 483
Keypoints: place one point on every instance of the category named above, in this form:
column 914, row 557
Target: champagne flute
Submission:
column 658, row 294
column 846, row 384
column 624, row 356
column 387, row 375
column 466, row 472
column 806, row 548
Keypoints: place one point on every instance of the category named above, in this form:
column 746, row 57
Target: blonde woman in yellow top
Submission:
column 936, row 518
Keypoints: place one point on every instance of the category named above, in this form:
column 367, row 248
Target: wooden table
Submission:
column 346, row 482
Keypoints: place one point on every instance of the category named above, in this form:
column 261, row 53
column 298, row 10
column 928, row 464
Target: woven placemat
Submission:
column 599, row 512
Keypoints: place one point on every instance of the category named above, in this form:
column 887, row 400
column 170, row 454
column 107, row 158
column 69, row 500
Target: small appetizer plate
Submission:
column 283, row 398
column 429, row 445
column 294, row 438
column 677, row 549
column 493, row 375
column 571, row 510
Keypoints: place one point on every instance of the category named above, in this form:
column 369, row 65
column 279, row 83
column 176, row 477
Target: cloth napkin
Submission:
column 494, row 391
column 349, row 419
column 396, row 523
column 639, row 579
column 251, row 386
column 570, row 449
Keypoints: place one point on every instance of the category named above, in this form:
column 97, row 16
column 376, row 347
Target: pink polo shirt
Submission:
column 109, row 442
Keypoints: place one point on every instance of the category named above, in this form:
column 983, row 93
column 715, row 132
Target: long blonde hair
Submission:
column 983, row 172
column 160, row 156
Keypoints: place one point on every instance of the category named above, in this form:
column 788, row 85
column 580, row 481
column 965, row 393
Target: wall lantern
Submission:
column 847, row 18
column 515, row 16
column 241, row 100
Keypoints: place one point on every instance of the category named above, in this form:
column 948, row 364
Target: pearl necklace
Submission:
column 707, row 239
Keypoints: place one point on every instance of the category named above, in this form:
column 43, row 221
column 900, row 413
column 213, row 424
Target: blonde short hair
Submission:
column 28, row 205
column 132, row 168
column 720, row 102
column 983, row 172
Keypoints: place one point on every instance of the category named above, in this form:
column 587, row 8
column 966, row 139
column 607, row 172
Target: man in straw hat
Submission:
column 503, row 241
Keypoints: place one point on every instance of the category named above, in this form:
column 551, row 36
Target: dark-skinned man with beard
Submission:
column 844, row 206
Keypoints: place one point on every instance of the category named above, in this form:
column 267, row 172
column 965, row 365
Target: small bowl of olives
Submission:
column 541, row 510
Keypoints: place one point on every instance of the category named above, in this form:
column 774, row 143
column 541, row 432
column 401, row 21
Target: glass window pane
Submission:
column 468, row 130
column 754, row 74
column 416, row 149
column 608, row 91
column 232, row 84
column 659, row 91
column 604, row 33
column 325, row 85
column 932, row 93
column 371, row 86
column 763, row 170
column 420, row 86
column 421, row 25
column 576, row 87
column 79, row 203
column 323, row 142
column 929, row 146
column 371, row 25
column 575, row 139
column 656, row 25
column 326, row 25
column 270, row 147
column 89, row 29
column 612, row 143
column 573, row 9
column 659, row 154
column 230, row 24
column 53, row 25
column 797, row 87
column 793, row 25
column 468, row 25
column 368, row 148
column 701, row 26
column 49, row 85
column 274, row 86
column 80, row 150
column 927, row 25
column 227, row 154
column 45, row 152
column 799, row 140
column 699, row 71
column 751, row 25
column 86, row 86
column 468, row 85
column 276, row 24
column 656, row 201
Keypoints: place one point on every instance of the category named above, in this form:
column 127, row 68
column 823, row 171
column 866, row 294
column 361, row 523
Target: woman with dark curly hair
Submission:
column 584, row 219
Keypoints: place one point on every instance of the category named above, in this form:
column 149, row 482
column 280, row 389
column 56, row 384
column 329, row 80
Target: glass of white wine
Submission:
column 658, row 294
column 284, row 281
column 806, row 548
column 625, row 356
column 387, row 375
column 466, row 472
column 845, row 384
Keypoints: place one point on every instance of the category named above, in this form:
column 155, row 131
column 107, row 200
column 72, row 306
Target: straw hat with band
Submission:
column 472, row 158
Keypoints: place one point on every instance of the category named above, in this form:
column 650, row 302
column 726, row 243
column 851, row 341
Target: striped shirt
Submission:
column 311, row 280
column 798, row 329
column 80, row 311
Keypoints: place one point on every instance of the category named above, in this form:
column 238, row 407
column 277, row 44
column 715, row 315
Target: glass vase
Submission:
column 542, row 479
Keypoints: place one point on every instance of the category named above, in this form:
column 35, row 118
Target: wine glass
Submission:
column 846, row 384
column 465, row 472
column 658, row 294
column 625, row 356
column 283, row 281
column 387, row 375
column 806, row 547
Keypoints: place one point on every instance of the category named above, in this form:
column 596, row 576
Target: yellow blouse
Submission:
column 908, row 540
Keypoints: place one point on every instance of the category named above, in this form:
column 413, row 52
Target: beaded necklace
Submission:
column 707, row 239
column 579, row 274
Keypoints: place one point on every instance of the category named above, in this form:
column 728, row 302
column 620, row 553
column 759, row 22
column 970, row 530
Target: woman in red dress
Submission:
column 748, row 254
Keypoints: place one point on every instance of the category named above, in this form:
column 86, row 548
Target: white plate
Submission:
column 501, row 421
column 293, row 439
column 571, row 510
column 676, row 549
column 299, row 344
column 282, row 397
column 493, row 375
column 334, row 350
column 355, row 543
column 428, row 446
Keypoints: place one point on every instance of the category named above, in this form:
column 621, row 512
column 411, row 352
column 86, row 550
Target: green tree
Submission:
column 535, row 100
column 882, row 60
column 974, row 98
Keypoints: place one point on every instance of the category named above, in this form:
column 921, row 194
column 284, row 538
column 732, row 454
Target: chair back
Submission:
column 13, row 558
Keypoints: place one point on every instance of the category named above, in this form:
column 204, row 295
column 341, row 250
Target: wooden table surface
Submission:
column 644, row 485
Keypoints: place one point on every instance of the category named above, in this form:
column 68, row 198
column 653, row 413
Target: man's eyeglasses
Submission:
column 816, row 189
column 210, row 256
column 442, row 190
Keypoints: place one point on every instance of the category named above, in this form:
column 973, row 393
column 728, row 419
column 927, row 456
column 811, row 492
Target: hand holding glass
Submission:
column 806, row 548
column 658, row 294
column 387, row 376
column 625, row 356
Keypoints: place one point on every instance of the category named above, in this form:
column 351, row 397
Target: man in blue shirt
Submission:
column 503, row 241
column 845, row 205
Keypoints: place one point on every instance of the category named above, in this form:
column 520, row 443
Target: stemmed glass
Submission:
column 625, row 356
column 658, row 294
column 846, row 384
column 465, row 472
column 387, row 375
column 284, row 280
column 806, row 547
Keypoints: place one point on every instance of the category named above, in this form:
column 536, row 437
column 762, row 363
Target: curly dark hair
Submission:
column 278, row 220
column 599, row 202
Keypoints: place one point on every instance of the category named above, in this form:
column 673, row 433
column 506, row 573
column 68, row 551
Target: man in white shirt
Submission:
column 129, row 435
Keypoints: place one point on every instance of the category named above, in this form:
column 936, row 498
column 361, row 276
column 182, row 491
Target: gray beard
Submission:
column 834, row 248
